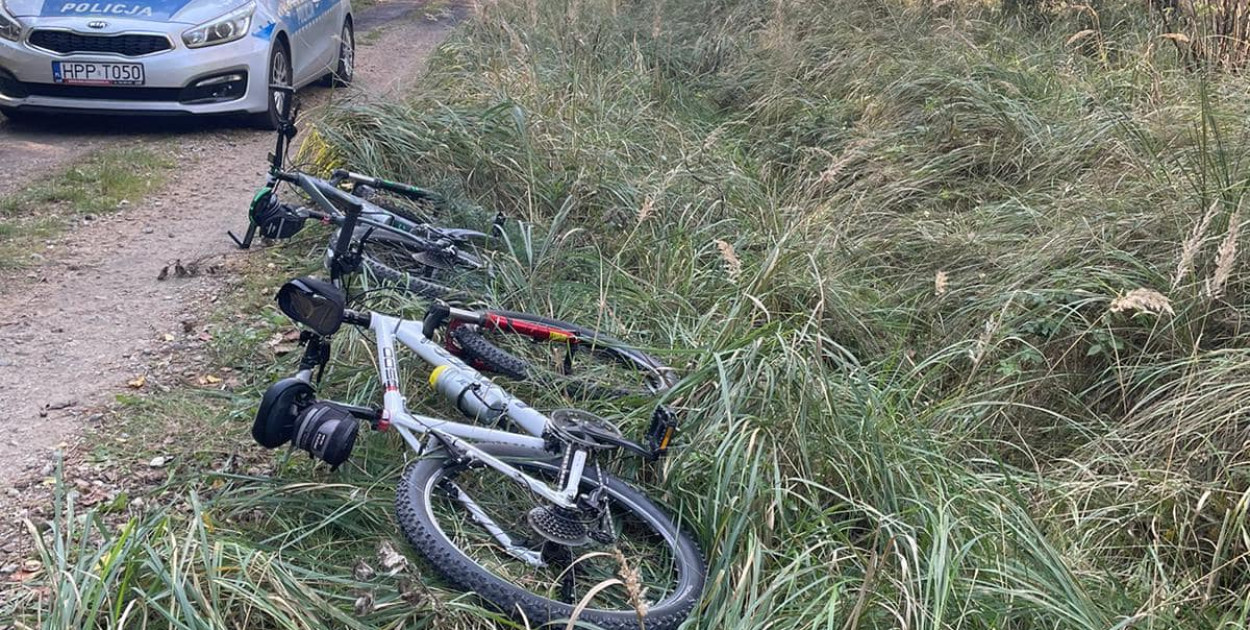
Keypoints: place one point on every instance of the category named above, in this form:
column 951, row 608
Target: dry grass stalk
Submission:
column 1215, row 32
column 648, row 207
column 713, row 138
column 848, row 156
column 1225, row 258
column 982, row 344
column 1079, row 36
column 1142, row 300
column 1191, row 246
column 633, row 584
column 733, row 264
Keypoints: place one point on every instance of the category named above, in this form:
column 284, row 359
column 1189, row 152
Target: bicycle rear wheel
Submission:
column 422, row 267
column 471, row 522
column 588, row 364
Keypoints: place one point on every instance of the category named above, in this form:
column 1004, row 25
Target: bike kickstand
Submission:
column 246, row 241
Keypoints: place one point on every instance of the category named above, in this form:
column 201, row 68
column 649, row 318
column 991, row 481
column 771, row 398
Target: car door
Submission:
column 299, row 16
column 319, row 35
column 330, row 24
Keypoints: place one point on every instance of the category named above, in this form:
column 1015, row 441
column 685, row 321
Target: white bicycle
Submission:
column 514, row 507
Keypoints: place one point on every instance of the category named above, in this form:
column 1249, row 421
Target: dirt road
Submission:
column 76, row 329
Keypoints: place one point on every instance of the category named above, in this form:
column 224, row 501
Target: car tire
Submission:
column 345, row 63
column 280, row 72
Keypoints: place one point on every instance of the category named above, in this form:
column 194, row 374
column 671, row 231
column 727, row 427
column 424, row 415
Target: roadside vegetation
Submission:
column 957, row 293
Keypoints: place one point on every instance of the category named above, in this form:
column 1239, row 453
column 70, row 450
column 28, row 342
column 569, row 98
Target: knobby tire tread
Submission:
column 458, row 569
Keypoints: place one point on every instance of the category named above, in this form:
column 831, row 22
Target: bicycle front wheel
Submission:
column 459, row 515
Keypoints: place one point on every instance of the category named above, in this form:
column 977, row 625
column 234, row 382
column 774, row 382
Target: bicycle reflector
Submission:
column 275, row 219
column 314, row 303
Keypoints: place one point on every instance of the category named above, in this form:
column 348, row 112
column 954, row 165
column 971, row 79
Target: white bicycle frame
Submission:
column 477, row 397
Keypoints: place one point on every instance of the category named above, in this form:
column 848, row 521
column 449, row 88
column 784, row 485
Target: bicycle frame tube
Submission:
column 407, row 190
column 473, row 394
column 372, row 215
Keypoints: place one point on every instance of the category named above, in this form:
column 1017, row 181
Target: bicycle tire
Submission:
column 478, row 348
column 409, row 280
column 415, row 514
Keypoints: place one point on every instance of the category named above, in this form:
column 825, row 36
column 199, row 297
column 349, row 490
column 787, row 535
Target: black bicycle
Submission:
column 384, row 230
column 388, row 233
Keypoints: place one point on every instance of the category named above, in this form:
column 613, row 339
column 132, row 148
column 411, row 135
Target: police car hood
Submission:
column 177, row 11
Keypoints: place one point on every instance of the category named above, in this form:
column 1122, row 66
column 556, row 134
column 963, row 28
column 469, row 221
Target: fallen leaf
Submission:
column 286, row 348
column 158, row 462
column 413, row 591
column 138, row 381
column 362, row 571
column 392, row 561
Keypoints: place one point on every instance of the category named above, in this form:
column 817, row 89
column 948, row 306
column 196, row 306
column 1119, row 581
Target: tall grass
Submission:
column 958, row 301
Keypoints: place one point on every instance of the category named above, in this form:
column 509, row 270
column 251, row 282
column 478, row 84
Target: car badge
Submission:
column 97, row 24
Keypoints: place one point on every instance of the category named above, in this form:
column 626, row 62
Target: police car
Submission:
column 169, row 56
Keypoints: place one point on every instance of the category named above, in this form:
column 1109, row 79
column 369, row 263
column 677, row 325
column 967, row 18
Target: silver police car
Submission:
column 169, row 56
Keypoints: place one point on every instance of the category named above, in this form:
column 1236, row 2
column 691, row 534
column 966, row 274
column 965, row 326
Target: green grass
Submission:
column 882, row 241
column 94, row 186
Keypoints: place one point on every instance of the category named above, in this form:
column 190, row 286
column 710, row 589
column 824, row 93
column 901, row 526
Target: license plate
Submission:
column 97, row 73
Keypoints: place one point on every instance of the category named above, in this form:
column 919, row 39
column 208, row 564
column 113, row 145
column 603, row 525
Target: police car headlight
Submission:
column 227, row 28
column 10, row 28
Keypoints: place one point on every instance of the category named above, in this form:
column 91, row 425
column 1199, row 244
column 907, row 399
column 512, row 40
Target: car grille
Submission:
column 128, row 45
column 103, row 92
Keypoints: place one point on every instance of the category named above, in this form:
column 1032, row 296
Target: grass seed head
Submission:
column 733, row 264
column 1142, row 300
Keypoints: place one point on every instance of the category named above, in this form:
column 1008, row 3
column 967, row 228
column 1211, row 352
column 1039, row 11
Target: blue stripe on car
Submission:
column 265, row 32
column 292, row 11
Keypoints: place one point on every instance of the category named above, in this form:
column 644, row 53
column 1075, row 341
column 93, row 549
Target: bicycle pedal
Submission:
column 661, row 432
